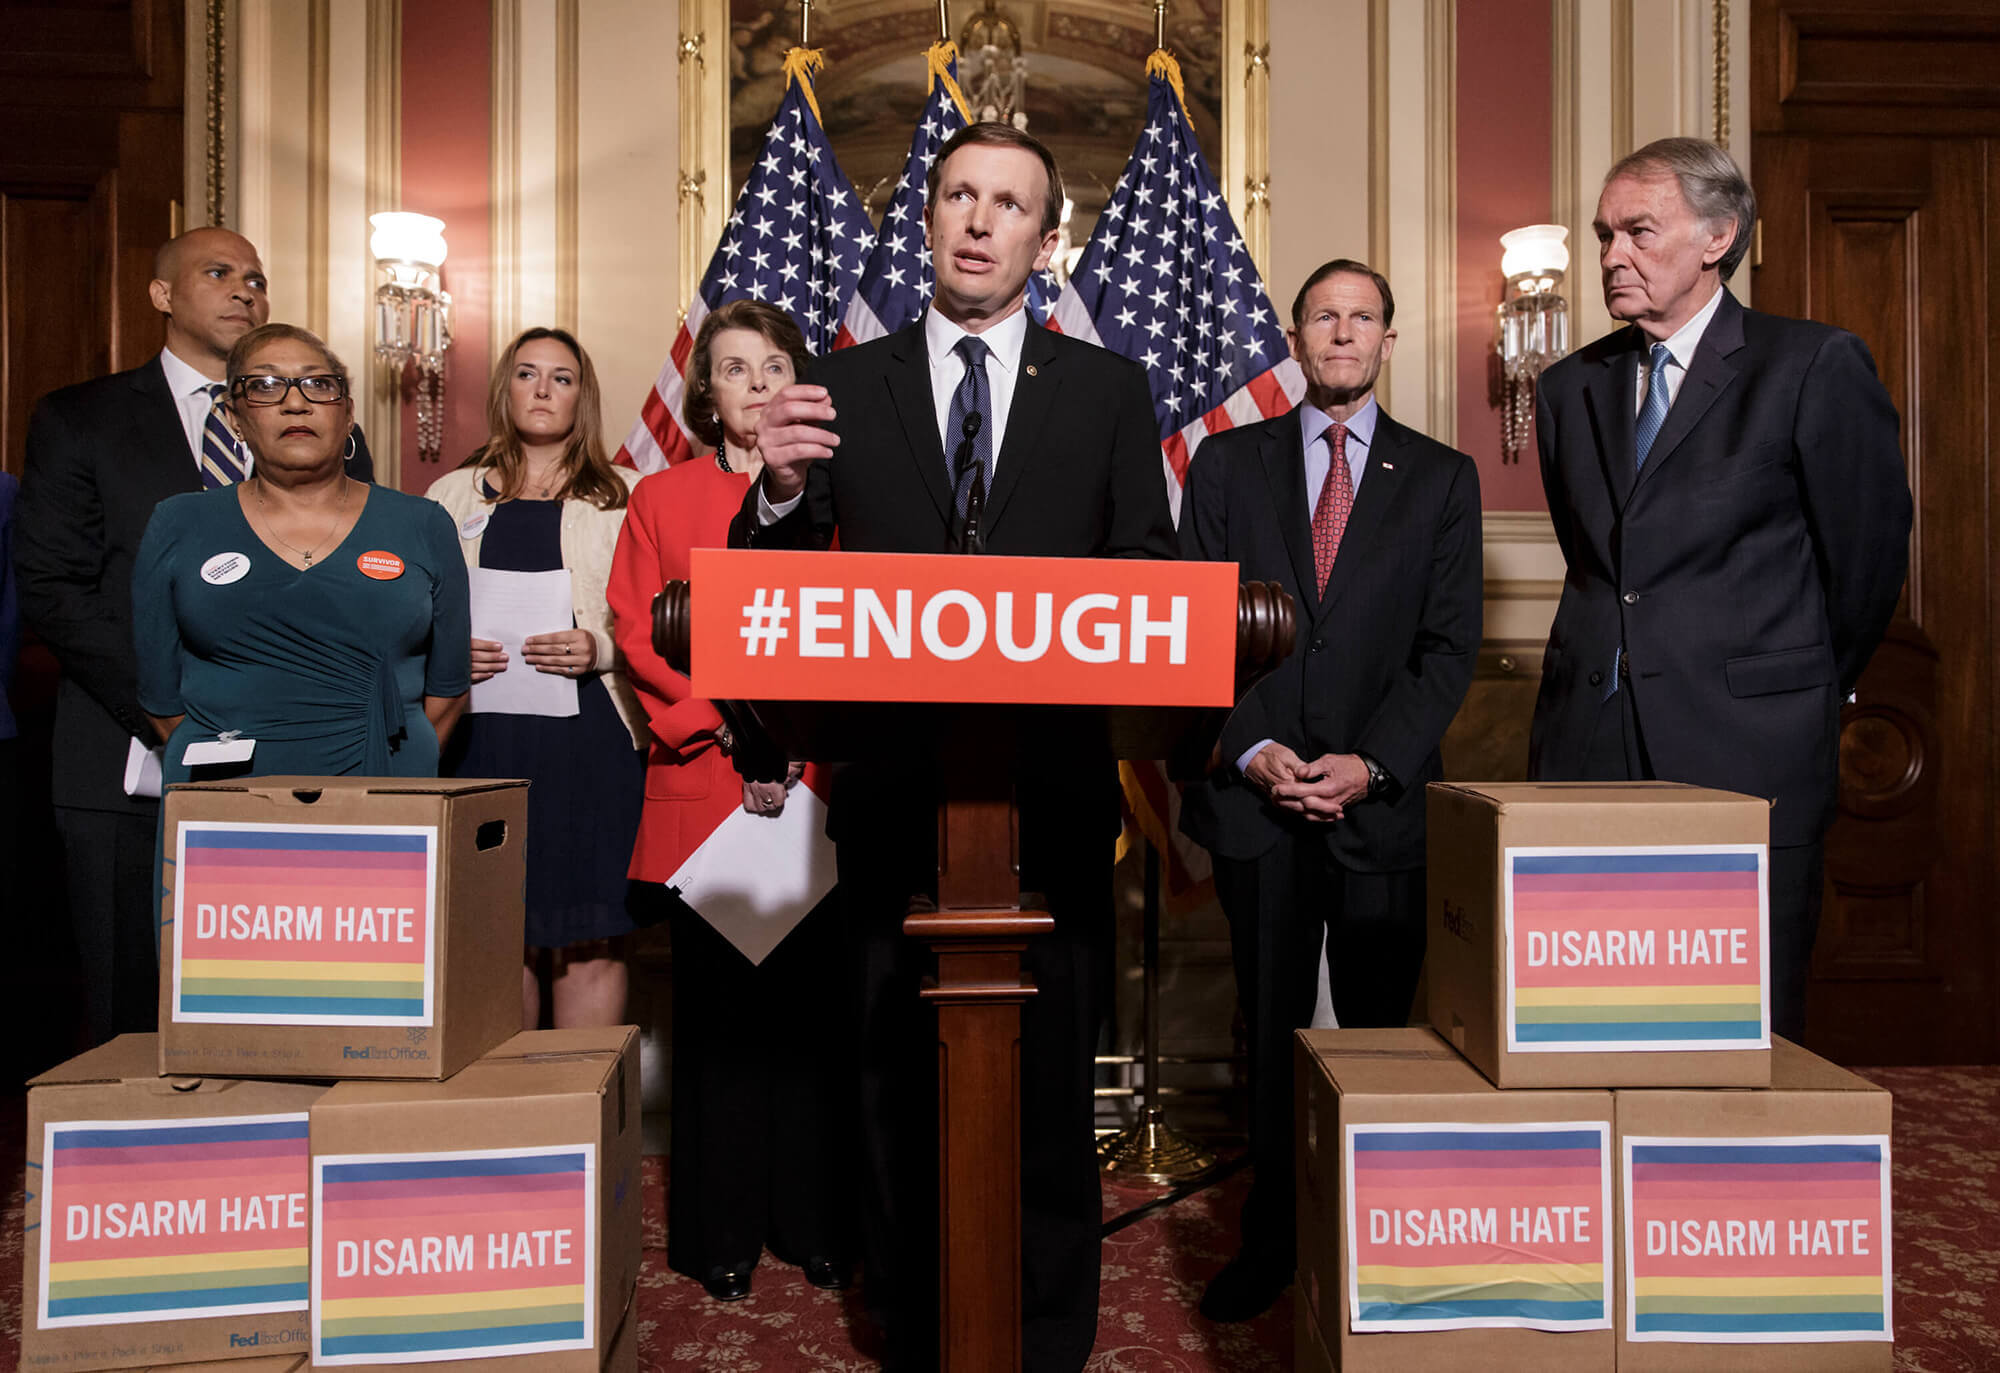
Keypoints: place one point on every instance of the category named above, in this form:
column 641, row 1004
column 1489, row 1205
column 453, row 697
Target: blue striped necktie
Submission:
column 969, row 426
column 221, row 455
column 1654, row 413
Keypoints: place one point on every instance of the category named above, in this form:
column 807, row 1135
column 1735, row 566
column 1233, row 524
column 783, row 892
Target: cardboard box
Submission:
column 165, row 1218
column 1310, row 1351
column 348, row 927
column 1754, row 1226
column 1592, row 934
column 491, row 1216
column 271, row 1363
column 1445, row 1224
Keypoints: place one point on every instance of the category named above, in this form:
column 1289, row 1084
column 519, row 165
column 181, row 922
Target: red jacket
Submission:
column 690, row 785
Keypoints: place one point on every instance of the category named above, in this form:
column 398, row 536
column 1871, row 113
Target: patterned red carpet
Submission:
column 1947, row 1255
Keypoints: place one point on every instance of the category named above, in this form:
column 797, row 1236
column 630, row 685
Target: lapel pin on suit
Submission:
column 1029, row 369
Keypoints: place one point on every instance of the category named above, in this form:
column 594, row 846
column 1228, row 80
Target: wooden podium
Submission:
column 978, row 930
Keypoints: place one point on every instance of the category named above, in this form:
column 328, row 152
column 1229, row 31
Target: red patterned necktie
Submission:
column 1336, row 500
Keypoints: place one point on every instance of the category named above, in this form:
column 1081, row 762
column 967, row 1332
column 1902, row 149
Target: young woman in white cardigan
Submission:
column 540, row 495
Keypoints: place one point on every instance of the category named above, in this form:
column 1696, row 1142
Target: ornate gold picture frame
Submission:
column 1084, row 60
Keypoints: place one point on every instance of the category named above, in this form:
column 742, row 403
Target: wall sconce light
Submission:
column 413, row 314
column 1534, row 323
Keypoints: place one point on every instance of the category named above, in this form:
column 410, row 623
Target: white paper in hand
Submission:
column 757, row 876
column 143, row 776
column 507, row 607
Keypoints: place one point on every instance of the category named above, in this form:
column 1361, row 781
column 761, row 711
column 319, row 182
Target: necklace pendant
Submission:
column 309, row 559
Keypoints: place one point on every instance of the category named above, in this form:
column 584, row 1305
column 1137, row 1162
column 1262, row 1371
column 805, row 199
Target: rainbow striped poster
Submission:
column 160, row 1220
column 1637, row 948
column 1757, row 1241
column 1471, row 1226
column 304, row 924
column 466, row 1254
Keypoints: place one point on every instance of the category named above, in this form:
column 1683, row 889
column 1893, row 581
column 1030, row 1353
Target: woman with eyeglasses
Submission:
column 758, row 1048
column 542, row 496
column 310, row 623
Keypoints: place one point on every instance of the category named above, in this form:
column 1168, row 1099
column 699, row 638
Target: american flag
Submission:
column 797, row 239
column 896, row 282
column 1167, row 281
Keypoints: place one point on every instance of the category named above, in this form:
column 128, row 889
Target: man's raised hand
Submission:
column 791, row 439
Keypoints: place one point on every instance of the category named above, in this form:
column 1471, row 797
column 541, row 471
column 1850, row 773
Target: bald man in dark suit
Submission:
column 100, row 455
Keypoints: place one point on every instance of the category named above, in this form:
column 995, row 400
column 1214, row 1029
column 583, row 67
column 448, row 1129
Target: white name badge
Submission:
column 225, row 568
column 474, row 525
column 209, row 752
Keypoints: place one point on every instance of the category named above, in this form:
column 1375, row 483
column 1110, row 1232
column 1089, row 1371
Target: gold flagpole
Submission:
column 805, row 23
column 1150, row 1148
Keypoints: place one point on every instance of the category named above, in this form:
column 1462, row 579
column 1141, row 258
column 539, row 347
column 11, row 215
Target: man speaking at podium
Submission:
column 975, row 430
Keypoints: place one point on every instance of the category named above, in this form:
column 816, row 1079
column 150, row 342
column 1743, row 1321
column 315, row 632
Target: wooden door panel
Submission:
column 54, row 269
column 1886, row 237
column 91, row 163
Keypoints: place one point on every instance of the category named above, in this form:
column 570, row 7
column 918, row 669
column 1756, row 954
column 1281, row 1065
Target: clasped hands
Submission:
column 768, row 798
column 564, row 652
column 1319, row 790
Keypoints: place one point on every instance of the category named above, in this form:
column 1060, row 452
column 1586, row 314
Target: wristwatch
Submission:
column 1379, row 780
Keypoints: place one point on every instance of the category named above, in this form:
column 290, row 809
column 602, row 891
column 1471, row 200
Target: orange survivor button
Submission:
column 380, row 564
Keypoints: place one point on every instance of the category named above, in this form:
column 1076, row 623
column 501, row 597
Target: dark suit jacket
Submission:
column 100, row 455
column 1078, row 475
column 1382, row 661
column 1749, row 569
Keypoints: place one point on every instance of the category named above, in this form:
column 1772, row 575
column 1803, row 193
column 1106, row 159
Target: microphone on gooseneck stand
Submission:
column 970, row 471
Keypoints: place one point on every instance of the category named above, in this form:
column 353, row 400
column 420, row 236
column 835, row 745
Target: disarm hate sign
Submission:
column 909, row 627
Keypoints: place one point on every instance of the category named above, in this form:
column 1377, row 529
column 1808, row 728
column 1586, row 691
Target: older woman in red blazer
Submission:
column 756, row 1067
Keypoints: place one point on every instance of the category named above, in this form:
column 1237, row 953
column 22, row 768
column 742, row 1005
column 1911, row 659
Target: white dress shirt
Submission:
column 1314, row 426
column 947, row 368
column 190, row 392
column 1682, row 345
column 1003, row 366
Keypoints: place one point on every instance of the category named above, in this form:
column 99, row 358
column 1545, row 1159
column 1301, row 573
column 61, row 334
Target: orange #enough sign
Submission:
column 780, row 626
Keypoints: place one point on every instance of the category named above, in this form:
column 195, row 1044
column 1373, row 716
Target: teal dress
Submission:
column 327, row 667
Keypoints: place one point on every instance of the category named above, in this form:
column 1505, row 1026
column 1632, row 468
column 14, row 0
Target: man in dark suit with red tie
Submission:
column 975, row 430
column 1731, row 500
column 100, row 455
column 1313, row 807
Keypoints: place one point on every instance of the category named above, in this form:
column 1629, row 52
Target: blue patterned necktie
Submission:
column 968, row 430
column 1654, row 413
column 221, row 456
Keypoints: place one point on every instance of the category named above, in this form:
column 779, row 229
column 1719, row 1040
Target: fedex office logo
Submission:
column 955, row 624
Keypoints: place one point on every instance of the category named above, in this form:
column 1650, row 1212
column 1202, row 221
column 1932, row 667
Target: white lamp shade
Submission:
column 404, row 237
column 1537, row 250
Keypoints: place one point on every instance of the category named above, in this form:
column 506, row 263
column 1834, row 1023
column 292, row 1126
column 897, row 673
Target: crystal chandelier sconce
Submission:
column 1534, row 324
column 413, row 314
column 995, row 74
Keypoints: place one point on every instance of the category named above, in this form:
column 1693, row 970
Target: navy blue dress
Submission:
column 587, row 782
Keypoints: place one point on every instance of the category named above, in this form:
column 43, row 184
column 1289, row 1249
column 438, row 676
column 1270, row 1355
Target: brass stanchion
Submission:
column 1150, row 1149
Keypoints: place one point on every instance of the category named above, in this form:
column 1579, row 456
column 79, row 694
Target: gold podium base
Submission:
column 1154, row 1151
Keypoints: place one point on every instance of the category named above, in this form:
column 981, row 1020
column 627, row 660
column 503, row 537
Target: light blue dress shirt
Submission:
column 1313, row 426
